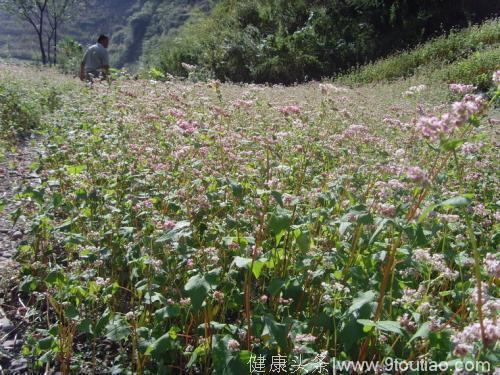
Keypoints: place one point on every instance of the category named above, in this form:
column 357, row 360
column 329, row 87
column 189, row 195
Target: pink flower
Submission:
column 492, row 265
column 464, row 341
column 289, row 110
column 461, row 88
column 470, row 148
column 233, row 345
column 218, row 296
column 151, row 117
column 434, row 127
column 387, row 209
column 256, row 251
column 496, row 77
column 239, row 103
column 168, row 225
column 177, row 113
column 305, row 338
column 189, row 127
column 416, row 174
column 407, row 323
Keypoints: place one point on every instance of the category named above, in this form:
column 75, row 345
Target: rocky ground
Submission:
column 14, row 173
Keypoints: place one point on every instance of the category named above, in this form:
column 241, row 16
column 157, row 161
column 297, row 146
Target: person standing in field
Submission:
column 95, row 63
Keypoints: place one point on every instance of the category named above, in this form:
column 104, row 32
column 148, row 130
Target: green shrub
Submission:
column 22, row 108
column 70, row 55
column 18, row 115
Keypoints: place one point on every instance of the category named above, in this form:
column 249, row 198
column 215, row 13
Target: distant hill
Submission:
column 132, row 24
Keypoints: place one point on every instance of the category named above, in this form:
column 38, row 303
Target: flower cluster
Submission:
column 434, row 127
column 492, row 265
column 289, row 110
column 467, row 340
column 436, row 262
column 417, row 175
column 459, row 88
column 407, row 323
column 414, row 90
column 496, row 77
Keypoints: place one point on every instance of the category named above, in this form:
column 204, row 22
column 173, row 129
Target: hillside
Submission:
column 279, row 41
column 468, row 56
column 131, row 24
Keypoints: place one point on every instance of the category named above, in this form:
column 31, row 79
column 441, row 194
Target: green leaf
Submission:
column 361, row 300
column 29, row 284
column 304, row 240
column 423, row 331
column 102, row 323
column 459, row 201
column 474, row 121
column 226, row 362
column 242, row 262
column 198, row 352
column 280, row 221
column 257, row 267
column 54, row 277
column 420, row 238
column 71, row 312
column 451, row 144
column 367, row 324
column 383, row 325
column 46, row 343
column 85, row 326
column 237, row 188
column 75, row 169
column 278, row 196
column 181, row 229
column 212, row 277
column 126, row 231
column 170, row 311
column 426, row 213
column 359, row 214
column 117, row 330
column 197, row 289
column 389, row 325
column 275, row 286
column 275, row 330
column 160, row 346
column 381, row 225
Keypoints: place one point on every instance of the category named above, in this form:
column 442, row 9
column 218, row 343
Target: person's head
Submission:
column 104, row 40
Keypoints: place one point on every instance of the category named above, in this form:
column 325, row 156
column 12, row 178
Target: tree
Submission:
column 37, row 12
column 58, row 12
column 33, row 12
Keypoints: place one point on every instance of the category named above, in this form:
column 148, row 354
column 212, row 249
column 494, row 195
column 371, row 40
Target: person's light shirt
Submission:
column 96, row 58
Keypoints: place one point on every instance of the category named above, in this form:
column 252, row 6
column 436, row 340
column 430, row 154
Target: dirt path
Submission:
column 14, row 173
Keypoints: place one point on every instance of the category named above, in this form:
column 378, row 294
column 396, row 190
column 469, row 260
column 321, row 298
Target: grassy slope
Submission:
column 461, row 56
